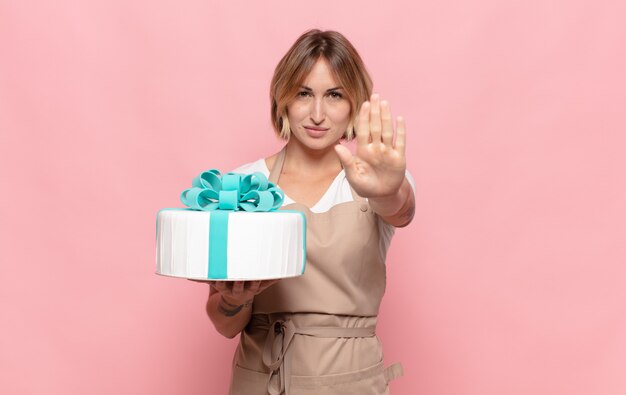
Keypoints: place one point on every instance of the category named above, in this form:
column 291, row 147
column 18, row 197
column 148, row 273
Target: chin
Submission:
column 317, row 143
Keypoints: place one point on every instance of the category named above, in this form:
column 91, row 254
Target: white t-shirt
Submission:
column 338, row 192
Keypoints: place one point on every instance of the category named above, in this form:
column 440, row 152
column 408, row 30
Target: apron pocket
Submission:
column 248, row 382
column 368, row 381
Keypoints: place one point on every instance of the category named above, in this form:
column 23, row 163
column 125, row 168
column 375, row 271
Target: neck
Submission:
column 304, row 160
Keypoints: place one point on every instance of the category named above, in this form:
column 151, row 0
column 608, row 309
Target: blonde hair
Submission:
column 346, row 66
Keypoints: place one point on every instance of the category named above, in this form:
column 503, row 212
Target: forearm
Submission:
column 229, row 319
column 397, row 209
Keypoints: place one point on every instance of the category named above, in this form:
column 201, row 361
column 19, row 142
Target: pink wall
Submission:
column 509, row 281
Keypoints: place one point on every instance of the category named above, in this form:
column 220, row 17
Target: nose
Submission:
column 318, row 112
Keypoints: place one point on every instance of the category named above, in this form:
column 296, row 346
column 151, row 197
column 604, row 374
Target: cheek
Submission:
column 296, row 112
column 341, row 113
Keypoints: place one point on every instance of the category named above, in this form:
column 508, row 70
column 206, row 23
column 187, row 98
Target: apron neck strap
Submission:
column 278, row 166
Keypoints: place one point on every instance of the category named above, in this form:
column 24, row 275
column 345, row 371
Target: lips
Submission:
column 314, row 131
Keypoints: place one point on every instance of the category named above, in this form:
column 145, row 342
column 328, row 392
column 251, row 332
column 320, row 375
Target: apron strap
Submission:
column 278, row 166
column 393, row 372
column 277, row 353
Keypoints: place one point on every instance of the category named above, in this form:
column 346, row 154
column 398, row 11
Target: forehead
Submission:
column 320, row 76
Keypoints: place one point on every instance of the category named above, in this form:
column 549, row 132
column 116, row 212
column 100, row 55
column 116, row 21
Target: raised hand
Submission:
column 379, row 165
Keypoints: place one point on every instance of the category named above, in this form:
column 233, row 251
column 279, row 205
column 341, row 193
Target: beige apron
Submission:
column 315, row 334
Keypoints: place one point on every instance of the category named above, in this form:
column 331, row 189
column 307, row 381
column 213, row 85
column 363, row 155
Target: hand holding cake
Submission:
column 238, row 293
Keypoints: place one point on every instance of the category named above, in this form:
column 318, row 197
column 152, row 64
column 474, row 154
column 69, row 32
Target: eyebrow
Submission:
column 327, row 90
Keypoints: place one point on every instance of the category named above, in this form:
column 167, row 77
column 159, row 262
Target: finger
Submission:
column 387, row 123
column 253, row 286
column 212, row 289
column 237, row 288
column 400, row 145
column 345, row 156
column 375, row 123
column 220, row 286
column 363, row 125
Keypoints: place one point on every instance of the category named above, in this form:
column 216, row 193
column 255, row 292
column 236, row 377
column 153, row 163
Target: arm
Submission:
column 230, row 304
column 228, row 318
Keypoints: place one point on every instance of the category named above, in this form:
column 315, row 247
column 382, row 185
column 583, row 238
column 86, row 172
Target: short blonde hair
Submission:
column 346, row 66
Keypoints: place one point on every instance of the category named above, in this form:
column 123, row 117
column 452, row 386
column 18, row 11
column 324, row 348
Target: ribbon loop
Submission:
column 276, row 356
column 232, row 191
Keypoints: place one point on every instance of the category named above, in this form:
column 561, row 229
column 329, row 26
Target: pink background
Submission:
column 509, row 281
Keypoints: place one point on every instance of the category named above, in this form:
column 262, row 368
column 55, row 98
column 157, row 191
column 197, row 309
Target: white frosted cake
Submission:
column 252, row 246
column 232, row 230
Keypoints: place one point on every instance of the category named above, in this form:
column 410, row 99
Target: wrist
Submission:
column 234, row 303
column 390, row 205
column 231, row 309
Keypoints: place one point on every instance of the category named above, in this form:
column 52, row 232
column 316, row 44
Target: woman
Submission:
column 316, row 333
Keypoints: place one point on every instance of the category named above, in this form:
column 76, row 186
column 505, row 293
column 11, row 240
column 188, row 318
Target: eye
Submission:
column 335, row 95
column 304, row 93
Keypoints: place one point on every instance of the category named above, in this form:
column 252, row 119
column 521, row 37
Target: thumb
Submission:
column 345, row 156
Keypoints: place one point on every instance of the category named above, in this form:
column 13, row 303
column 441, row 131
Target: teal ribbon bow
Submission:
column 232, row 191
column 211, row 191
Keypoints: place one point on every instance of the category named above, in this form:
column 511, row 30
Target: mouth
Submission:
column 315, row 131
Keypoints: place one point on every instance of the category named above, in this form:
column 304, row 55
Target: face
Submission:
column 320, row 113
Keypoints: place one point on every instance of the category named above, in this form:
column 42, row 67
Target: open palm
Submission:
column 379, row 165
